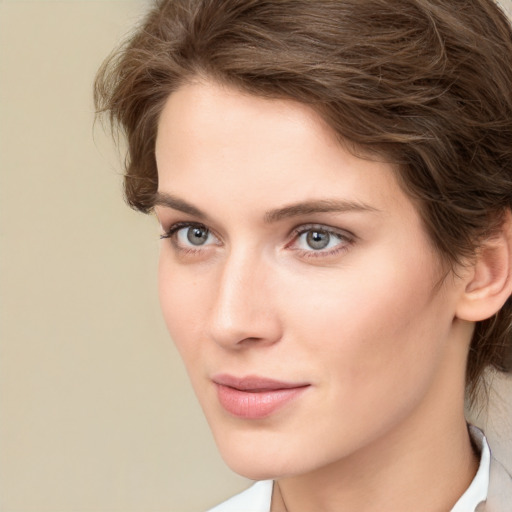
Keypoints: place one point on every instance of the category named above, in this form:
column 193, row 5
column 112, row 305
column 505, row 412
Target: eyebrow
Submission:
column 170, row 201
column 317, row 206
column 292, row 210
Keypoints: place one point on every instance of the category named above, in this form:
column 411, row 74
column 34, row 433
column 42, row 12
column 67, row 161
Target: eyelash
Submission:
column 180, row 225
column 346, row 239
column 169, row 234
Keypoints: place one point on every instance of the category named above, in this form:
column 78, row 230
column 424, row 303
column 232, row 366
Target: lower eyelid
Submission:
column 344, row 242
column 323, row 254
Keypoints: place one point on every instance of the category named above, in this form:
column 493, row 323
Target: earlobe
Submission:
column 489, row 278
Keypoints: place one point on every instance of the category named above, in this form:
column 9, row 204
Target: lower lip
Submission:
column 255, row 405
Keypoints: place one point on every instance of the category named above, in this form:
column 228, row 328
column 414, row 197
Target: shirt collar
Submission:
column 477, row 491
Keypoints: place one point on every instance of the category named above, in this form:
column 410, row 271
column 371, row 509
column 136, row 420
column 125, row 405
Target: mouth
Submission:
column 254, row 397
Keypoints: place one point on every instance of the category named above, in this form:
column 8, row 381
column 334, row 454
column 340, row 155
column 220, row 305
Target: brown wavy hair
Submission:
column 425, row 84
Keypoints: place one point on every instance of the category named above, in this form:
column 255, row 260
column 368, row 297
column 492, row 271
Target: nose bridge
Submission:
column 242, row 309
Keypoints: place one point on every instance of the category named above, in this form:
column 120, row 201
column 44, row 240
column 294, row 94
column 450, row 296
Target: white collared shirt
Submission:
column 258, row 497
column 477, row 490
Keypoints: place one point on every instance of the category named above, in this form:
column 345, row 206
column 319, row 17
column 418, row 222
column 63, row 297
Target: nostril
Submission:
column 249, row 341
column 254, row 329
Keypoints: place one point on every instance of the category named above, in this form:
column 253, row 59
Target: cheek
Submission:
column 182, row 300
column 373, row 329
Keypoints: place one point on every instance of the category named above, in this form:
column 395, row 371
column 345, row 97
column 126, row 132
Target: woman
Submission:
column 333, row 182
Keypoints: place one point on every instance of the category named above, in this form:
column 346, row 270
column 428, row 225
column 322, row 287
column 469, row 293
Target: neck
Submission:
column 424, row 463
column 428, row 476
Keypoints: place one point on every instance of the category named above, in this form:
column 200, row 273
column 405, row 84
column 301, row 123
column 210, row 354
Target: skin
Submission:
column 370, row 322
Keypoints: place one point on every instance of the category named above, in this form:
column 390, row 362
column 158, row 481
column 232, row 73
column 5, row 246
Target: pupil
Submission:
column 197, row 236
column 318, row 239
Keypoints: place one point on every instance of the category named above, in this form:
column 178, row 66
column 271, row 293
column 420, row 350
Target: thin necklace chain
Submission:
column 281, row 496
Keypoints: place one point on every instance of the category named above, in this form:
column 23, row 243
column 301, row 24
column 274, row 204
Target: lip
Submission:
column 254, row 397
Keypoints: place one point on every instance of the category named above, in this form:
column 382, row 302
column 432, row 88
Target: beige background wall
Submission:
column 96, row 413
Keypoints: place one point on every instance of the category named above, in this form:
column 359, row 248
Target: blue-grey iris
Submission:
column 197, row 235
column 317, row 239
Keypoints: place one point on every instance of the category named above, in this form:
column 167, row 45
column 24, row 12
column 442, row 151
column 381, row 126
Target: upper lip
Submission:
column 255, row 383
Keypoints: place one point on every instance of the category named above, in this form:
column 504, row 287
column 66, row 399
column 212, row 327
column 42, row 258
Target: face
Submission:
column 296, row 280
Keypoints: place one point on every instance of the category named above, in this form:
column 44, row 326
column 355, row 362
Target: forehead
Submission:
column 216, row 144
column 212, row 114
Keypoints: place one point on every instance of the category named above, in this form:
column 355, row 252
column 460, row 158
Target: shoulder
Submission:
column 255, row 499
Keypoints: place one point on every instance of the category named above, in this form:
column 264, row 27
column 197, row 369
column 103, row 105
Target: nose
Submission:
column 244, row 312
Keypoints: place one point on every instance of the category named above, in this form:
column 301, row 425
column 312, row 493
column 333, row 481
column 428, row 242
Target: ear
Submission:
column 489, row 278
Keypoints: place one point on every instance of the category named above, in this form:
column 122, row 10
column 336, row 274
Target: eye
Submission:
column 320, row 240
column 189, row 236
column 196, row 235
column 317, row 239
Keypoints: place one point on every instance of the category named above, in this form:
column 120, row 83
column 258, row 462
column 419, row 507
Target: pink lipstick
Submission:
column 255, row 397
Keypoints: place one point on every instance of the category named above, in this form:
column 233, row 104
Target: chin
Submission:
column 264, row 458
column 249, row 470
column 253, row 460
column 256, row 469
